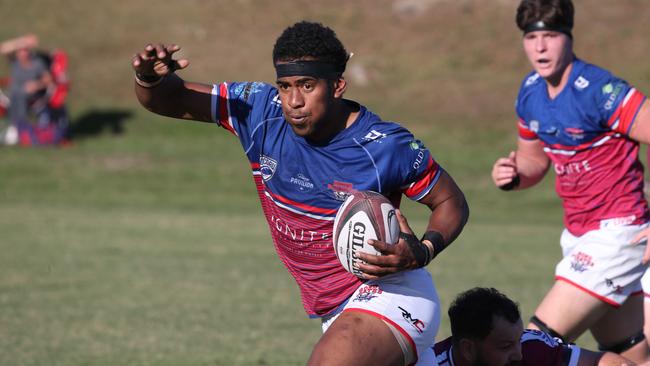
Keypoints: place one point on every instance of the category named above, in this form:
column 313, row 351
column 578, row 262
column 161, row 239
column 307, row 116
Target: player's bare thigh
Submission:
column 569, row 311
column 620, row 324
column 357, row 338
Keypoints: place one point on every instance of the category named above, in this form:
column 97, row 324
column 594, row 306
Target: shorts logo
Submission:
column 581, row 262
column 367, row 293
column 416, row 323
column 341, row 190
column 617, row 289
column 267, row 167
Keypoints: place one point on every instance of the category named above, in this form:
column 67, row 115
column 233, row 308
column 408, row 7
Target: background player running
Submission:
column 587, row 123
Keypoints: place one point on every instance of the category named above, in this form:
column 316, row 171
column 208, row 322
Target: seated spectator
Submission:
column 486, row 330
column 38, row 85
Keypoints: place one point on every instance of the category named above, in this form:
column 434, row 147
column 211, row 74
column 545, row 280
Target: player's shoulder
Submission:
column 245, row 89
column 531, row 85
column 536, row 336
column 371, row 130
column 589, row 78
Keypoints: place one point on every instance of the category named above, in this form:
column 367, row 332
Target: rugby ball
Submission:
column 364, row 215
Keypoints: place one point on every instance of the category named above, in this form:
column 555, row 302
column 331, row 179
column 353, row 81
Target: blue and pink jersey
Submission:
column 584, row 131
column 301, row 185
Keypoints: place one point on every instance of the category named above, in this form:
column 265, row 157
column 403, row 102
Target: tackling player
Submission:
column 309, row 148
column 487, row 330
column 587, row 124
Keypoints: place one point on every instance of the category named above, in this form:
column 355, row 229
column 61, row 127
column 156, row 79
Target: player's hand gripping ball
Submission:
column 364, row 215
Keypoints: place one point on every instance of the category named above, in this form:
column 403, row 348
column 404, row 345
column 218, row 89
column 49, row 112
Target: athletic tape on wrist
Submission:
column 420, row 251
column 436, row 239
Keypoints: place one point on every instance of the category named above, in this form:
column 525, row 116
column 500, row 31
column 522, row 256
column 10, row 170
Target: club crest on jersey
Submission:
column 416, row 323
column 267, row 167
column 581, row 262
column 341, row 190
column 581, row 83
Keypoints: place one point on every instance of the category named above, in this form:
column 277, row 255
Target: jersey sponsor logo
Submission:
column 416, row 323
column 617, row 221
column 572, row 168
column 304, row 184
column 276, row 101
column 375, row 136
column 581, row 83
column 581, row 262
column 245, row 90
column 267, row 167
column 613, row 94
column 297, row 234
column 575, row 133
column 367, row 293
column 532, row 79
column 341, row 190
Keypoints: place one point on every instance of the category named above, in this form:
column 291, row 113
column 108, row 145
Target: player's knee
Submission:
column 624, row 345
column 546, row 329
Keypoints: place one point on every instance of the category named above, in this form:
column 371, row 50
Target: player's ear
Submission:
column 467, row 350
column 339, row 87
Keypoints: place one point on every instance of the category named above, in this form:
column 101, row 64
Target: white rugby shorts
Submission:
column 407, row 301
column 604, row 263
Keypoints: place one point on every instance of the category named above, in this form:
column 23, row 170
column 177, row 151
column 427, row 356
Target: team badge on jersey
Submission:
column 267, row 167
column 341, row 190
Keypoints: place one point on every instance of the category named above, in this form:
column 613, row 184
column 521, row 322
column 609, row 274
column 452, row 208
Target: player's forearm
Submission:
column 449, row 218
column 176, row 98
column 530, row 170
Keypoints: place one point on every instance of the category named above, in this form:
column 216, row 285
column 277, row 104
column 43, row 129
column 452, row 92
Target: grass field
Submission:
column 143, row 242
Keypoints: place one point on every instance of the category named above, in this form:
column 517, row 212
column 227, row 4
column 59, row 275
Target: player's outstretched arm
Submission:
column 523, row 168
column 161, row 91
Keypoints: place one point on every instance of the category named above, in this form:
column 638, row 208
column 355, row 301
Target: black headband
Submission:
column 541, row 26
column 316, row 69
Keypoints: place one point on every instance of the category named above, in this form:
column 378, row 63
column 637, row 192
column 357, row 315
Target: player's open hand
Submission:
column 643, row 237
column 157, row 60
column 395, row 257
column 504, row 170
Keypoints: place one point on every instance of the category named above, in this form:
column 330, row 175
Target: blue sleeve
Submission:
column 615, row 102
column 242, row 107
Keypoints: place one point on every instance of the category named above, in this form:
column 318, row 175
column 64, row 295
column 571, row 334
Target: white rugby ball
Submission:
column 364, row 215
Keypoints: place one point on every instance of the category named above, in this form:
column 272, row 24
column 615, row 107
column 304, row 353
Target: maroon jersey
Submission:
column 537, row 349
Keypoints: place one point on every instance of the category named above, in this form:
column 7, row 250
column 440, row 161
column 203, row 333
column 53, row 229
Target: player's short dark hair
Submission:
column 472, row 312
column 554, row 13
column 310, row 40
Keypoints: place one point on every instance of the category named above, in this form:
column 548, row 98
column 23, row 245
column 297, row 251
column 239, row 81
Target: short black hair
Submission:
column 471, row 313
column 310, row 40
column 554, row 13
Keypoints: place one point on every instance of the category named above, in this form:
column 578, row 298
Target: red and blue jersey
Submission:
column 584, row 131
column 301, row 185
column 537, row 349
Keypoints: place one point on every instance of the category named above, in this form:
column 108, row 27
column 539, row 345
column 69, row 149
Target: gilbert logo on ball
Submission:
column 364, row 215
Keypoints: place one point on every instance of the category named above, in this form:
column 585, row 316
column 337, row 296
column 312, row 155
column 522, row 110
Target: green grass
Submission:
column 148, row 247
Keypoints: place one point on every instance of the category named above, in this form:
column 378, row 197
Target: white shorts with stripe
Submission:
column 407, row 301
column 604, row 263
column 645, row 284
